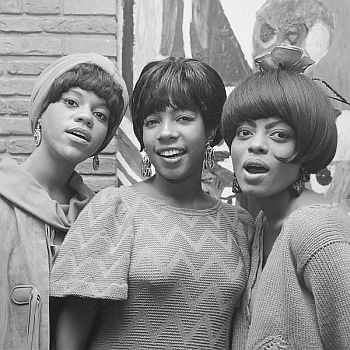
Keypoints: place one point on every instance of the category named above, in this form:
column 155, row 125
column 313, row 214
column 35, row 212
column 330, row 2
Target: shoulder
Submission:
column 77, row 183
column 240, row 219
column 110, row 196
column 109, row 202
column 313, row 227
column 323, row 220
column 237, row 214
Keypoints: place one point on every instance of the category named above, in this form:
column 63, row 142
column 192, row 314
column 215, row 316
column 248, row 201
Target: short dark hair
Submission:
column 183, row 83
column 89, row 77
column 296, row 99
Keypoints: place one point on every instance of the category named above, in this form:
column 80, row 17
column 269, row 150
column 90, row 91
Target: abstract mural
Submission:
column 227, row 34
column 321, row 27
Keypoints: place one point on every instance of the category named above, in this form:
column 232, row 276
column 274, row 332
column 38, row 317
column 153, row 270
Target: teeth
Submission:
column 170, row 153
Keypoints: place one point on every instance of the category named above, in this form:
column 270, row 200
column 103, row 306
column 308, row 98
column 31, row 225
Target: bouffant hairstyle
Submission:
column 296, row 99
column 179, row 83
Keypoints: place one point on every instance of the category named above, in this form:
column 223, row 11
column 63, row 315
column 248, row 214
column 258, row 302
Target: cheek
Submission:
column 283, row 150
column 236, row 153
column 146, row 138
column 101, row 133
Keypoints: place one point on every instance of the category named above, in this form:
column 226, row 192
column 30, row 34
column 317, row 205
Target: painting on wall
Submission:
column 320, row 27
column 227, row 34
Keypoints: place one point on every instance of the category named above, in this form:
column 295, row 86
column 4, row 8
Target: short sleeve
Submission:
column 94, row 258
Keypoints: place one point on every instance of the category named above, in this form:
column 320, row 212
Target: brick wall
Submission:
column 33, row 33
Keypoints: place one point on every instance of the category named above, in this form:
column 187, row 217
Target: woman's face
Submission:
column 255, row 151
column 74, row 127
column 175, row 142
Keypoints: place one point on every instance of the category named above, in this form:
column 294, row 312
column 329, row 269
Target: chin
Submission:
column 256, row 192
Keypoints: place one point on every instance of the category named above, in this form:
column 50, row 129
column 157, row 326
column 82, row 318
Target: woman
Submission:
column 169, row 261
column 75, row 109
column 280, row 127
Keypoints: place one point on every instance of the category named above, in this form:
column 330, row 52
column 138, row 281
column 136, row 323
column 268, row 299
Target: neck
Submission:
column 51, row 174
column 276, row 208
column 186, row 194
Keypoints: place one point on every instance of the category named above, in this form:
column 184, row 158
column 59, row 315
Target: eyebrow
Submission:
column 273, row 124
column 269, row 125
column 77, row 90
column 73, row 89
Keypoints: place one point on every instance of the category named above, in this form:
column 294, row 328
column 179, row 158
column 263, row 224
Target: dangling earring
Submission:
column 146, row 170
column 208, row 162
column 95, row 162
column 236, row 188
column 298, row 186
column 37, row 133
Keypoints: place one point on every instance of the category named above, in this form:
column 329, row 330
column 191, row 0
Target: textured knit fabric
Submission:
column 173, row 277
column 27, row 215
column 300, row 299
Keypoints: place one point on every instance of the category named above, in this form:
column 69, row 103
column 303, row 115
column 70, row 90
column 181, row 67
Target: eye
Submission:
column 148, row 122
column 280, row 136
column 70, row 102
column 185, row 118
column 243, row 133
column 101, row 116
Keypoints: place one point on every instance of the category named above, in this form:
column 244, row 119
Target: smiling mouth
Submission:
column 171, row 154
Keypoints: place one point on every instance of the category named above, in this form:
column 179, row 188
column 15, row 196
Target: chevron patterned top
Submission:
column 172, row 276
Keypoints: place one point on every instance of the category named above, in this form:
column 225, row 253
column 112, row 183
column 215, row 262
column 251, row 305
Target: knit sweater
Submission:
column 28, row 219
column 172, row 276
column 300, row 299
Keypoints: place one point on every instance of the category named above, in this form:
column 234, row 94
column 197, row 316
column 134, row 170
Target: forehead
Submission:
column 85, row 94
column 267, row 122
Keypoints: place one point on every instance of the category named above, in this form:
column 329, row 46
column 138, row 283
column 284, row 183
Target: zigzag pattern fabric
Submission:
column 173, row 277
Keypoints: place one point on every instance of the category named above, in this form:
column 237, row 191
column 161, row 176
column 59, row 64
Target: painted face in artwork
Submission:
column 256, row 153
column 74, row 127
column 175, row 142
column 304, row 23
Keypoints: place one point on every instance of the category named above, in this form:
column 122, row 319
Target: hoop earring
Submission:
column 299, row 185
column 208, row 162
column 95, row 162
column 146, row 170
column 236, row 188
column 37, row 134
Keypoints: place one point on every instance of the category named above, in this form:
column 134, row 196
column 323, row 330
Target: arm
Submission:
column 93, row 260
column 75, row 323
column 327, row 276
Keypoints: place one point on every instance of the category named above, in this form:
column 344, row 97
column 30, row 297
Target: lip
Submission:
column 170, row 152
column 255, row 166
column 79, row 133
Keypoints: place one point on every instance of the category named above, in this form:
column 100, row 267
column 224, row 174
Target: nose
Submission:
column 258, row 144
column 167, row 131
column 85, row 116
